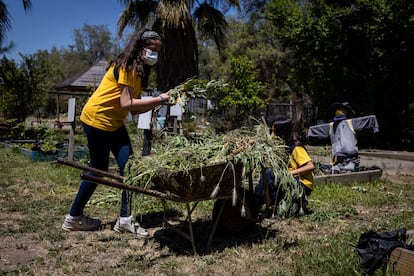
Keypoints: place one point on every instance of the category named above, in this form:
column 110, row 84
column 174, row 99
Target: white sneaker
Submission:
column 80, row 223
column 129, row 226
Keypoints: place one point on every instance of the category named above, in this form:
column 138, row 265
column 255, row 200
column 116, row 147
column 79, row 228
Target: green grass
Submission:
column 35, row 196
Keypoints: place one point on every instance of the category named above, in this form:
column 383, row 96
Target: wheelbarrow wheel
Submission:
column 231, row 221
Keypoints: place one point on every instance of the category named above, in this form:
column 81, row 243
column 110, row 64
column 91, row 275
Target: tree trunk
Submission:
column 178, row 58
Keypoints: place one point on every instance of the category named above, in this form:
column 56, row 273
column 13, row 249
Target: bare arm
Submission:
column 305, row 168
column 138, row 106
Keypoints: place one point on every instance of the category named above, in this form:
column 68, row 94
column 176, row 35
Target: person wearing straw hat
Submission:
column 342, row 133
column 343, row 139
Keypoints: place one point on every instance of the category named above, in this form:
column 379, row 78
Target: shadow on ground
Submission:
column 202, row 230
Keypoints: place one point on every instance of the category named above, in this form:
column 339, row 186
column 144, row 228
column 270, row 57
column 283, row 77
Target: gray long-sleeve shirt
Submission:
column 343, row 139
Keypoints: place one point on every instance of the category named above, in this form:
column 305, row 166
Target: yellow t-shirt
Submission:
column 298, row 158
column 103, row 109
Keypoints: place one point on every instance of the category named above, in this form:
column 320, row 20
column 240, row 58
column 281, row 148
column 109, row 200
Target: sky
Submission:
column 51, row 23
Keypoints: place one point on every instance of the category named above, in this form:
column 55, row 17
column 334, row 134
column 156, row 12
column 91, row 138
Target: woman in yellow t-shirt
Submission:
column 103, row 121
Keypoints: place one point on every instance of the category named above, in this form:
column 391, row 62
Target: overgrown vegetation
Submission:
column 36, row 195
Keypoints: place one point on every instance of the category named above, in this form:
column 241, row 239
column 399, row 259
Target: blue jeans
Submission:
column 274, row 192
column 100, row 144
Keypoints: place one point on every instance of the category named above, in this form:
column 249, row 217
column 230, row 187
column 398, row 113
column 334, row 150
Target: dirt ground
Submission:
column 26, row 249
column 399, row 171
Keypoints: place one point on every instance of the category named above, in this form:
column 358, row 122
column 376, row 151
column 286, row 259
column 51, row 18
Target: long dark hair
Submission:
column 131, row 59
column 283, row 127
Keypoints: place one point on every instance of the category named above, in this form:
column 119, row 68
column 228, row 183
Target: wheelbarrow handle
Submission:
column 137, row 189
column 90, row 169
column 117, row 181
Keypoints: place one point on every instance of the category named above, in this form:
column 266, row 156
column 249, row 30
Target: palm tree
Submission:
column 174, row 21
column 5, row 24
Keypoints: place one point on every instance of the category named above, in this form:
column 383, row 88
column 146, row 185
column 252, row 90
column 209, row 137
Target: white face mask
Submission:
column 150, row 57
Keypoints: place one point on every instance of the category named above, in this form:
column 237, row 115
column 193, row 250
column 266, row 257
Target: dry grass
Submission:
column 35, row 196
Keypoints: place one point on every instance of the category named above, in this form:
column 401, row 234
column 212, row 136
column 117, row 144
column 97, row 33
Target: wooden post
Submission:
column 57, row 110
column 145, row 122
column 71, row 120
column 176, row 115
column 147, row 143
column 175, row 125
column 401, row 260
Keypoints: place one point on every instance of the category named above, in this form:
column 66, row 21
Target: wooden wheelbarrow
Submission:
column 220, row 182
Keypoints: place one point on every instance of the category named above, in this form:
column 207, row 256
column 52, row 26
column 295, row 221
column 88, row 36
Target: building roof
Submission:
column 84, row 82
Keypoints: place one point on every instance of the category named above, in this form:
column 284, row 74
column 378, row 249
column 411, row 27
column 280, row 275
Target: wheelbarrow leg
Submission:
column 190, row 227
column 164, row 206
column 192, row 209
column 178, row 231
column 216, row 222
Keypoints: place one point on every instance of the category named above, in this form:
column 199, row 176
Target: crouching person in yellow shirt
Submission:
column 300, row 165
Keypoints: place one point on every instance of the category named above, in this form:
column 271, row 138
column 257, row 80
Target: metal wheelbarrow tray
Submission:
column 216, row 181
column 199, row 184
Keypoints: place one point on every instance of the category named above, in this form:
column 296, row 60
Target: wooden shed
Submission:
column 80, row 86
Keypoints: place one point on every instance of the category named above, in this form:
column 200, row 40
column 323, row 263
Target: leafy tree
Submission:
column 27, row 83
column 93, row 43
column 356, row 51
column 243, row 99
column 250, row 34
column 254, row 40
column 6, row 48
column 24, row 89
column 177, row 25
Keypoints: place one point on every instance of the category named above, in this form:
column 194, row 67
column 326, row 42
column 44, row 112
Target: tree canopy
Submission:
column 356, row 51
